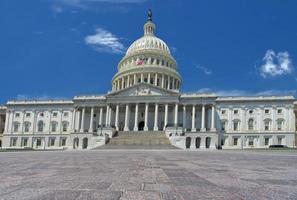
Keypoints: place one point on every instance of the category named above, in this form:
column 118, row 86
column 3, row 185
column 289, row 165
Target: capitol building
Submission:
column 145, row 99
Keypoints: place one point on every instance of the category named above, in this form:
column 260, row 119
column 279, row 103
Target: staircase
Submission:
column 139, row 140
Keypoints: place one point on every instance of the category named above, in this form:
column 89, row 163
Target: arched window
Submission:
column 280, row 124
column 267, row 124
column 16, row 126
column 65, row 126
column 251, row 124
column 40, row 126
column 236, row 124
column 27, row 127
column 54, row 126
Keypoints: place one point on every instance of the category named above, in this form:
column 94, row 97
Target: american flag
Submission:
column 141, row 62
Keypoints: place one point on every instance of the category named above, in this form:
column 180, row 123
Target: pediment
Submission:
column 143, row 89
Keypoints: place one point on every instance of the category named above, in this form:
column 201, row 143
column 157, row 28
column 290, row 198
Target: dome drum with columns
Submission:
column 146, row 97
column 148, row 60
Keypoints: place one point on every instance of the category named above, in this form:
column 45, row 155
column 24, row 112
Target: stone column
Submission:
column 166, row 116
column 134, row 79
column 173, row 84
column 141, row 77
column 6, row 121
column 184, row 116
column 156, row 79
column 273, row 123
column 123, row 82
column 168, row 80
column 156, row 128
column 117, row 117
column 61, row 120
column 128, row 81
column 212, row 126
column 100, row 116
column 77, row 125
column 193, row 118
column 23, row 119
column 126, row 127
column 73, row 120
column 109, row 116
column 91, row 120
column 176, row 115
column 50, row 121
column 12, row 121
column 118, row 85
column 82, row 120
column 146, row 117
column 136, row 118
column 106, row 117
column 203, row 118
column 149, row 78
column 162, row 83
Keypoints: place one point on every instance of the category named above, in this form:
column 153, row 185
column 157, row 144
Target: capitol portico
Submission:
column 146, row 98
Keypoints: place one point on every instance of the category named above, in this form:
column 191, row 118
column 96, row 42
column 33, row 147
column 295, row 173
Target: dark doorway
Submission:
column 141, row 126
column 188, row 142
column 207, row 142
column 198, row 140
column 85, row 143
column 75, row 143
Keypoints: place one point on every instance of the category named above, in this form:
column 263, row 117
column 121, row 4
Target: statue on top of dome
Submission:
column 150, row 15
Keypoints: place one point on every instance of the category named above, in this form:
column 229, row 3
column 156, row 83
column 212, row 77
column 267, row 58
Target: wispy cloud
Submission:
column 276, row 64
column 205, row 70
column 57, row 9
column 248, row 93
column 105, row 41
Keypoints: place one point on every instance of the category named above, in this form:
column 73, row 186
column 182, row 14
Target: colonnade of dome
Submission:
column 147, row 60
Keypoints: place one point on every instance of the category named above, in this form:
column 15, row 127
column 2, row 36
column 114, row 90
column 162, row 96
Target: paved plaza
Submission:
column 148, row 174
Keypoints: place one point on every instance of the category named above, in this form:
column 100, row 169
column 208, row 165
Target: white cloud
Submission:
column 247, row 93
column 105, row 41
column 276, row 64
column 56, row 9
column 205, row 70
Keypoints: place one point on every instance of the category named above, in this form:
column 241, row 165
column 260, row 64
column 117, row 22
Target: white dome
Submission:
column 148, row 42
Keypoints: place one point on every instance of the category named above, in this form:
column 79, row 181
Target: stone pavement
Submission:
column 148, row 174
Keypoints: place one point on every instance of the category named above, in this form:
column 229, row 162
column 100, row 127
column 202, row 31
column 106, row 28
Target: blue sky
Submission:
column 63, row 48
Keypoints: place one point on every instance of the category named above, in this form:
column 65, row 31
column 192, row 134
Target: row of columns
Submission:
column 156, row 117
column 130, row 80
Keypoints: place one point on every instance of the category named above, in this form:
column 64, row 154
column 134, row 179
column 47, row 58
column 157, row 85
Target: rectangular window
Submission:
column 223, row 112
column 28, row 114
column 235, row 112
column 279, row 111
column 13, row 142
column 63, row 141
column 266, row 111
column 38, row 142
column 235, row 141
column 17, row 114
column 65, row 114
column 235, row 126
column 25, row 142
column 266, row 141
column 52, row 142
column 55, row 114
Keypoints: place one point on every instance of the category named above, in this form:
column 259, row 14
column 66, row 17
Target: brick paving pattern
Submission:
column 148, row 174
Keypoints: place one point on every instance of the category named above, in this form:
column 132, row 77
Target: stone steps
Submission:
column 139, row 140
